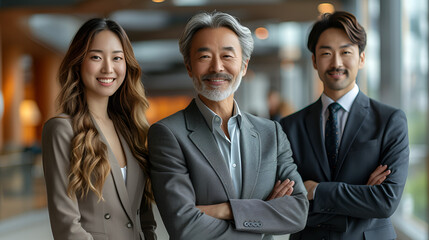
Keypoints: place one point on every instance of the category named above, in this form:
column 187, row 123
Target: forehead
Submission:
column 106, row 39
column 334, row 37
column 215, row 38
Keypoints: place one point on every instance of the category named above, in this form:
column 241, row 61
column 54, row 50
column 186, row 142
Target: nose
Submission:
column 337, row 61
column 107, row 67
column 216, row 65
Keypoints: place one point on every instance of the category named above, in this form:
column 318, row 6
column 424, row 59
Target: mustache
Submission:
column 340, row 70
column 225, row 76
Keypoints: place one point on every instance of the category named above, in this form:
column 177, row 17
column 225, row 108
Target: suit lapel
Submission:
column 250, row 157
column 357, row 115
column 117, row 176
column 134, row 172
column 203, row 139
column 313, row 124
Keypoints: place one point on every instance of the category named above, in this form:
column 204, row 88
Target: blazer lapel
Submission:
column 203, row 139
column 357, row 115
column 313, row 123
column 135, row 181
column 250, row 157
column 117, row 176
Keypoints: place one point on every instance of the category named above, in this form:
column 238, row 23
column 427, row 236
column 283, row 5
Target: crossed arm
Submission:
column 223, row 210
column 376, row 178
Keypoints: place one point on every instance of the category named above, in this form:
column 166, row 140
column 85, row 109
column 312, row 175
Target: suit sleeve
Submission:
column 147, row 220
column 378, row 201
column 283, row 215
column 63, row 211
column 175, row 196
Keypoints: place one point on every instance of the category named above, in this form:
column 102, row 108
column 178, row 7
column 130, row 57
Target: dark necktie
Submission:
column 332, row 135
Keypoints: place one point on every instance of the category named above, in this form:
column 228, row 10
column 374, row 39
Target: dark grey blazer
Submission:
column 188, row 169
column 121, row 215
column 344, row 207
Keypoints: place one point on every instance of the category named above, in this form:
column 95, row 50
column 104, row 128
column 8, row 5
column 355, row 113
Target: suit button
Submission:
column 129, row 225
column 107, row 216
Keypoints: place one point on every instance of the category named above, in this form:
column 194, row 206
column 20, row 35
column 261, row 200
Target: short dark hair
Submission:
column 342, row 20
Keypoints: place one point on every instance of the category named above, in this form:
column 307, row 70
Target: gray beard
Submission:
column 216, row 94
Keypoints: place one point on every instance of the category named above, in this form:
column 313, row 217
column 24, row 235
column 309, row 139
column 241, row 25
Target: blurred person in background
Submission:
column 94, row 152
column 277, row 106
column 218, row 172
column 351, row 151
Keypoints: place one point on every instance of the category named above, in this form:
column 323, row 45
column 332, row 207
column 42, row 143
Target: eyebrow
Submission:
column 100, row 51
column 342, row 46
column 206, row 49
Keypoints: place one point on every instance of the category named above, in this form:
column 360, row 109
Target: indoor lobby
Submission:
column 35, row 35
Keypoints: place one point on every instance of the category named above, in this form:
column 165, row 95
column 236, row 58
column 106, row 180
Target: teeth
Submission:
column 104, row 80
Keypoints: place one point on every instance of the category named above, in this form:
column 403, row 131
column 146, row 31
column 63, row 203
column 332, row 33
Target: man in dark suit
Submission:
column 353, row 155
column 219, row 173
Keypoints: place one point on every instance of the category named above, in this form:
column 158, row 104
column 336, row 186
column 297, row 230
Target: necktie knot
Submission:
column 334, row 107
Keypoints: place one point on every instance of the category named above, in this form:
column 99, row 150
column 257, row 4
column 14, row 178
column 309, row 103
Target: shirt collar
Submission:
column 345, row 101
column 210, row 116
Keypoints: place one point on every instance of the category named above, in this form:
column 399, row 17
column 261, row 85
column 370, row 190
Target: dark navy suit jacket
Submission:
column 344, row 206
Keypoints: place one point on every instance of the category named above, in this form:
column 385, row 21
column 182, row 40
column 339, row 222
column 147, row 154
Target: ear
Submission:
column 361, row 60
column 189, row 69
column 313, row 59
column 244, row 70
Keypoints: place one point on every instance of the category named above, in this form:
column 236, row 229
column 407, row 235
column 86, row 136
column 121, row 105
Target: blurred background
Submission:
column 34, row 35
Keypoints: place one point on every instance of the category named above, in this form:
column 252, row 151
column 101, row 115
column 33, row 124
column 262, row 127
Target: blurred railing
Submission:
column 22, row 186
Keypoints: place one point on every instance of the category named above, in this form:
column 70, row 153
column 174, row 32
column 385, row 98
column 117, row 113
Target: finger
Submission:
column 274, row 191
column 285, row 188
column 281, row 189
column 379, row 178
column 289, row 191
column 379, row 170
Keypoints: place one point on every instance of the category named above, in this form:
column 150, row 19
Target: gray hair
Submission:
column 215, row 20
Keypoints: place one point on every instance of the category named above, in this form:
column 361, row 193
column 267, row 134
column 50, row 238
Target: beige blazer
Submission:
column 122, row 214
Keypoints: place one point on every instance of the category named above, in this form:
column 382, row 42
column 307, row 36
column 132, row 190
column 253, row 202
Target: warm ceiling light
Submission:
column 325, row 8
column 158, row 1
column 261, row 33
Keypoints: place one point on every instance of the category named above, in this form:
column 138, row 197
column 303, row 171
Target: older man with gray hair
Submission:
column 218, row 172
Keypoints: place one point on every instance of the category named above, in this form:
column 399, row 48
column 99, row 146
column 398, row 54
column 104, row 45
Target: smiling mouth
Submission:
column 105, row 80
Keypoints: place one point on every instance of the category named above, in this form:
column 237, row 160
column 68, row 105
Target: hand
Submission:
column 281, row 189
column 310, row 186
column 378, row 176
column 220, row 211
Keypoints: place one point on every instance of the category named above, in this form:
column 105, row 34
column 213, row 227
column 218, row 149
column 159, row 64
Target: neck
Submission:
column 98, row 108
column 337, row 94
column 222, row 108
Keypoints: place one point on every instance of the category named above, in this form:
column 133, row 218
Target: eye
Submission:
column 227, row 56
column 117, row 59
column 95, row 57
column 325, row 53
column 347, row 52
column 204, row 56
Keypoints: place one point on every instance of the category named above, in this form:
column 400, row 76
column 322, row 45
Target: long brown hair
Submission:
column 89, row 166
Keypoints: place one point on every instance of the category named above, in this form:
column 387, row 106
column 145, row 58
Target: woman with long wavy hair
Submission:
column 94, row 152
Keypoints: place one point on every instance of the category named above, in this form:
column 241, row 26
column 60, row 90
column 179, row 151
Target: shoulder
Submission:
column 171, row 121
column 378, row 110
column 298, row 116
column 58, row 125
column 258, row 122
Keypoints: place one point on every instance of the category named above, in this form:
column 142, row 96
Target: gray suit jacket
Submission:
column 121, row 215
column 344, row 206
column 188, row 170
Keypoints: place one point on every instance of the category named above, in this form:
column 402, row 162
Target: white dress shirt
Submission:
column 229, row 147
